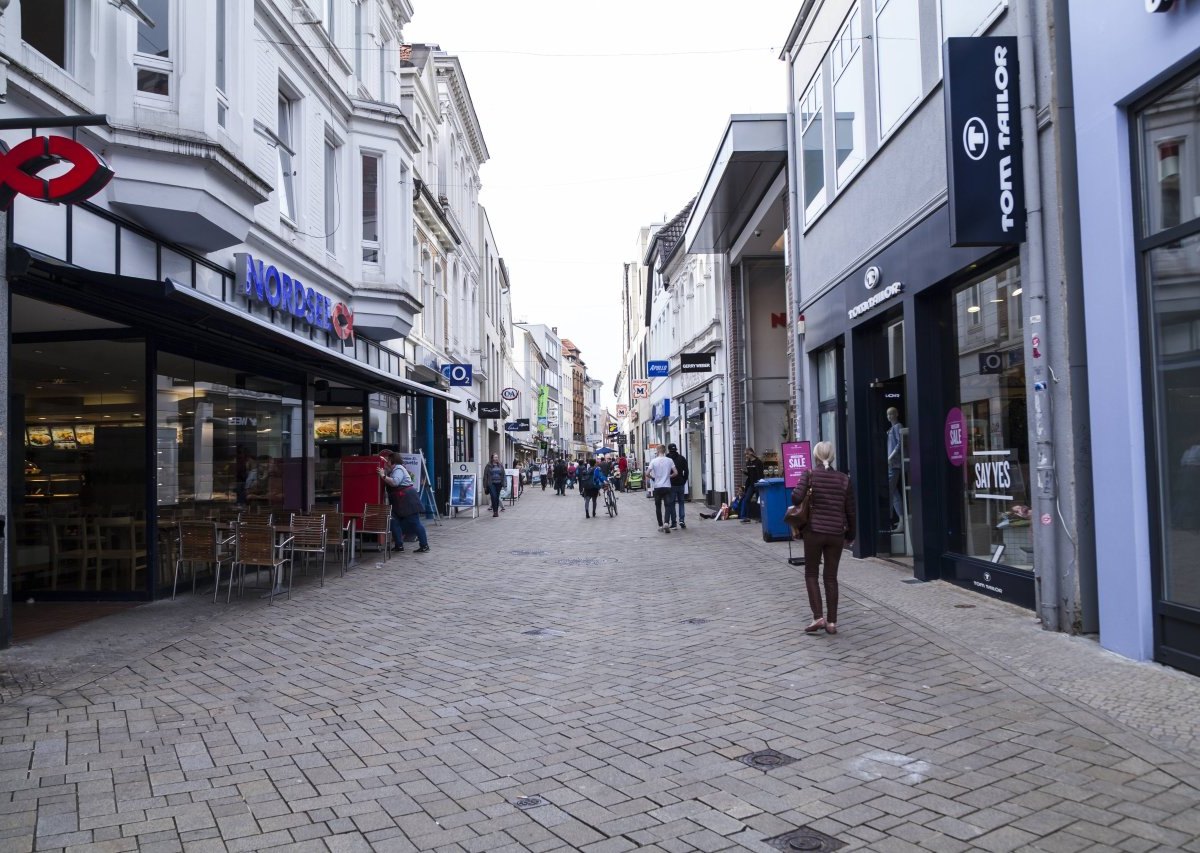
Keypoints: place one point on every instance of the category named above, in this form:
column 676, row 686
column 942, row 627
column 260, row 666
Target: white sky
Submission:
column 600, row 118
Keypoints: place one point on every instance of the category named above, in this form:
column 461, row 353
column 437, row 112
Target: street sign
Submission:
column 489, row 410
column 701, row 362
column 640, row 388
column 658, row 368
column 519, row 425
column 621, row 439
column 622, row 410
column 458, row 374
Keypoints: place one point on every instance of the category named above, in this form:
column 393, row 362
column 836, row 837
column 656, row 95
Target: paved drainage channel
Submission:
column 805, row 838
column 586, row 561
column 529, row 553
column 766, row 759
column 526, row 803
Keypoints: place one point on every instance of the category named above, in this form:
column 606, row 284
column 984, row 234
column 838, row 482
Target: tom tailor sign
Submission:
column 983, row 142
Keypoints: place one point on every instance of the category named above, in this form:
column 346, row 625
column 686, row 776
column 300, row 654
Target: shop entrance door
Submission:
column 890, row 462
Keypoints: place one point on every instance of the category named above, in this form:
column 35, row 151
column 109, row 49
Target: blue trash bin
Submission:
column 773, row 498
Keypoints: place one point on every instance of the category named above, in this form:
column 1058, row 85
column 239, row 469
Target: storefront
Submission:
column 149, row 383
column 1138, row 148
column 917, row 363
column 701, row 428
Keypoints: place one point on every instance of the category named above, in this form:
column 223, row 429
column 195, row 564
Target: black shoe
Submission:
column 397, row 547
column 682, row 526
column 674, row 525
column 423, row 549
column 585, row 515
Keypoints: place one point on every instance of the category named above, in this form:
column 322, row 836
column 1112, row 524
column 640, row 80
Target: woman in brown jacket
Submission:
column 830, row 528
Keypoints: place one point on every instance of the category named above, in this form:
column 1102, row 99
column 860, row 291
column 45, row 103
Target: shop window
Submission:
column 849, row 125
column 284, row 143
column 895, row 348
column 828, row 394
column 1168, row 128
column 464, row 439
column 152, row 61
column 370, row 208
column 897, row 60
column 996, row 486
column 812, row 144
column 46, row 26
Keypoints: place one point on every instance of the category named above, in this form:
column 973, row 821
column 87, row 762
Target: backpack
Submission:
column 598, row 478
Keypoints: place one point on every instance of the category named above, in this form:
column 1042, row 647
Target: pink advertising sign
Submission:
column 956, row 437
column 796, row 460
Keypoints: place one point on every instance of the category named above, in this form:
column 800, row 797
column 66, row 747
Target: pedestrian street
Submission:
column 541, row 681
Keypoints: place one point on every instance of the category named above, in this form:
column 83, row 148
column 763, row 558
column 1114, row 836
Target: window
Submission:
column 1170, row 267
column 969, row 17
column 46, row 26
column 222, row 35
column 849, row 126
column 153, row 58
column 997, row 523
column 385, row 52
column 285, row 185
column 331, row 196
column 812, row 142
column 360, row 35
column 897, row 60
column 370, row 208
column 330, row 6
column 828, row 404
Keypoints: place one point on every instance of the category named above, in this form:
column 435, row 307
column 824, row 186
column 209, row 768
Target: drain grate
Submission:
column 695, row 622
column 766, row 759
column 911, row 580
column 805, row 838
column 544, row 632
column 965, row 606
column 526, row 803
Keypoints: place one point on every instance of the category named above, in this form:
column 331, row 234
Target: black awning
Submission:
column 171, row 308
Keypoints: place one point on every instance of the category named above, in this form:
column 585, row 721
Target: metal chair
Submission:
column 200, row 543
column 256, row 546
column 308, row 537
column 376, row 522
column 337, row 527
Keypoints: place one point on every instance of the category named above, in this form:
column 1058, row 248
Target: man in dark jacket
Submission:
column 560, row 476
column 493, row 480
column 678, row 482
column 753, row 473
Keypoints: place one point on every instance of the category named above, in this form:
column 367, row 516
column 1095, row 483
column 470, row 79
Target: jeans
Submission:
column 818, row 547
column 664, row 496
column 560, row 485
column 402, row 527
column 894, row 491
column 494, row 494
column 677, row 493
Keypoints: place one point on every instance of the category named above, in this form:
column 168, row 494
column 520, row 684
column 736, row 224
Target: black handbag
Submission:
column 797, row 515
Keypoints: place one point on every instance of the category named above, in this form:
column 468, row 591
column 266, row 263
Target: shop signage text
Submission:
column 519, row 425
column 892, row 290
column 993, row 473
column 701, row 362
column 657, row 368
column 796, row 456
column 956, row 437
column 19, row 167
column 622, row 410
column 510, row 394
column 458, row 374
column 489, row 410
column 640, row 388
column 280, row 291
column 983, row 142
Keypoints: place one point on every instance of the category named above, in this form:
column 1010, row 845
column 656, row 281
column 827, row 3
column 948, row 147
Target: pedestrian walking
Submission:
column 623, row 472
column 678, row 482
column 493, row 478
column 571, row 474
column 544, row 473
column 560, row 476
column 661, row 470
column 588, row 488
column 752, row 473
column 830, row 528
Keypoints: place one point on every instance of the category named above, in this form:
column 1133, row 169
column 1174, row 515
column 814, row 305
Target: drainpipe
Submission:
column 1034, row 274
column 795, row 215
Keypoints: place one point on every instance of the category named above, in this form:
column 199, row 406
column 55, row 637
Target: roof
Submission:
column 667, row 239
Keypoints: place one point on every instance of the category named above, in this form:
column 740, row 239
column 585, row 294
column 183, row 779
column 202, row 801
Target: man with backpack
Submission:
column 678, row 483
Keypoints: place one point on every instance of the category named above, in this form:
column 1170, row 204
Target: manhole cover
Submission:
column 965, row 606
column 805, row 838
column 529, row 553
column 911, row 580
column 766, row 759
column 586, row 561
column 543, row 632
column 695, row 621
column 530, row 802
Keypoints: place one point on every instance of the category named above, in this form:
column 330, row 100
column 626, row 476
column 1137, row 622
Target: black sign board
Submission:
column 489, row 410
column 621, row 439
column 519, row 425
column 700, row 362
column 983, row 142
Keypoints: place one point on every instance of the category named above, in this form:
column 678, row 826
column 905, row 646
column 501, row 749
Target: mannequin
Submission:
column 893, row 465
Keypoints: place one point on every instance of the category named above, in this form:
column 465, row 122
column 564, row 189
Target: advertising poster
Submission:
column 325, row 428
column 414, row 464
column 85, row 434
column 39, row 436
column 64, row 437
column 462, row 490
column 350, row 428
column 796, row 460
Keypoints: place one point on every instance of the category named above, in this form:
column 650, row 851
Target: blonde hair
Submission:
column 823, row 453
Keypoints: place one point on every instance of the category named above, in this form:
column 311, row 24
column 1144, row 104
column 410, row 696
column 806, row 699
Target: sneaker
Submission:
column 682, row 526
column 674, row 525
column 422, row 549
column 666, row 530
column 397, row 547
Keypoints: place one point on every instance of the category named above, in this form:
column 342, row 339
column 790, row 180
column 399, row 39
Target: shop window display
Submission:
column 992, row 399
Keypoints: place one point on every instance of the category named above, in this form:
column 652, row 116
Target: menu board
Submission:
column 85, row 434
column 350, row 428
column 325, row 428
column 39, row 436
column 64, row 437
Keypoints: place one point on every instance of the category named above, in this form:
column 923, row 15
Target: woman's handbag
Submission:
column 797, row 515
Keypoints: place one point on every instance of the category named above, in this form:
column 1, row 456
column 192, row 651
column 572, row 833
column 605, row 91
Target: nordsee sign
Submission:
column 983, row 142
column 282, row 292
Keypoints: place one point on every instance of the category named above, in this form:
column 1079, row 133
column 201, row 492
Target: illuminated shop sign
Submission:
column 889, row 292
column 19, row 168
column 268, row 285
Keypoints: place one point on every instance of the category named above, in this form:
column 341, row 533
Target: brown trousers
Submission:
column 818, row 548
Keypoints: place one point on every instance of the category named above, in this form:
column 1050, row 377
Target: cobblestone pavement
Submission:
column 408, row 706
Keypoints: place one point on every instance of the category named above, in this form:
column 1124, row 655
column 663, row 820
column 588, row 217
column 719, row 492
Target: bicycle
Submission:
column 610, row 499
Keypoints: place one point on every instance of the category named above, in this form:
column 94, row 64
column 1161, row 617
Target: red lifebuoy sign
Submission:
column 343, row 322
column 19, row 167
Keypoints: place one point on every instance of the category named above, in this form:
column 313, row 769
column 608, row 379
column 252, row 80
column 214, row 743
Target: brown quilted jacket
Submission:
column 833, row 510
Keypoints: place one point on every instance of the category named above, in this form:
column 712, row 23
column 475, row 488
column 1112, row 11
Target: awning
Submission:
column 170, row 307
column 751, row 156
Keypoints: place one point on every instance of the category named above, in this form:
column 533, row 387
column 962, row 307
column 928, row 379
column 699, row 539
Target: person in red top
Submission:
column 623, row 468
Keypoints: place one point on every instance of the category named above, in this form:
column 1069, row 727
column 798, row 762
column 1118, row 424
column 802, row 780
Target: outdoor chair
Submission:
column 199, row 542
column 376, row 522
column 308, row 537
column 257, row 546
column 120, row 545
column 337, row 528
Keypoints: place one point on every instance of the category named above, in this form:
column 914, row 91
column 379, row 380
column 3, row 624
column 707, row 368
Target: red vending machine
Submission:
column 360, row 483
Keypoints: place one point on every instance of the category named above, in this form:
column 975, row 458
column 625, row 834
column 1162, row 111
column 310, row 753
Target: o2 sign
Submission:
column 19, row 167
column 458, row 374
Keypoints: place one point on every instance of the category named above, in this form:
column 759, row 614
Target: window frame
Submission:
column 287, row 107
column 221, row 64
column 884, row 133
column 332, row 156
column 842, row 177
column 70, row 31
column 375, row 246
column 155, row 64
column 820, row 200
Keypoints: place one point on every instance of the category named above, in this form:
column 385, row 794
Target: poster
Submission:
column 796, row 460
column 39, row 436
column 325, row 428
column 414, row 463
column 512, row 480
column 64, row 437
column 85, row 434
column 462, row 490
column 350, row 428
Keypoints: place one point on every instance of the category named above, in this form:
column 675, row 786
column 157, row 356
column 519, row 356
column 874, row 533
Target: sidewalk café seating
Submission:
column 375, row 522
column 256, row 546
column 120, row 545
column 337, row 528
column 308, row 537
column 72, row 551
column 199, row 542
